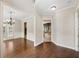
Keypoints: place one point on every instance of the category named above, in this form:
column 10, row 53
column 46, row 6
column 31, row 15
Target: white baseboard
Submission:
column 64, row 46
column 35, row 45
column 77, row 50
column 30, row 36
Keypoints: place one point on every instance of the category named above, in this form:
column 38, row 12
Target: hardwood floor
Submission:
column 17, row 49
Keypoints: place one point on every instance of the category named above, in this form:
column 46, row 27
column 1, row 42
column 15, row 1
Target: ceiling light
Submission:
column 53, row 8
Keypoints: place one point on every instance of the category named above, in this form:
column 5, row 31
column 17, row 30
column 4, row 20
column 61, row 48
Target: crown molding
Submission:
column 65, row 8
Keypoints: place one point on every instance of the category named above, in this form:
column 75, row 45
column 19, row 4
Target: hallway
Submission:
column 17, row 49
column 51, row 28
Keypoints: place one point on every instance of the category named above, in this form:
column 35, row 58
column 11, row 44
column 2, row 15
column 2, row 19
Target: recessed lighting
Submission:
column 53, row 8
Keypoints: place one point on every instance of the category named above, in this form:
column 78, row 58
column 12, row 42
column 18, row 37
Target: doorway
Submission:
column 47, row 32
column 25, row 33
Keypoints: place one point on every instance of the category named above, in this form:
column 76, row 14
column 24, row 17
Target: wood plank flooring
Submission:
column 17, row 49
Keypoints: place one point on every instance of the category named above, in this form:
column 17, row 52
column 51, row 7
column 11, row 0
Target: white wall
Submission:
column 1, row 31
column 34, row 29
column 64, row 29
column 17, row 29
column 17, row 15
column 30, row 27
column 38, row 30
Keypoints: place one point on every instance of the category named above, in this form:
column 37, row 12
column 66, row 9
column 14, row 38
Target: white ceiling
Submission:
column 22, row 8
column 15, row 12
column 42, row 6
column 23, row 5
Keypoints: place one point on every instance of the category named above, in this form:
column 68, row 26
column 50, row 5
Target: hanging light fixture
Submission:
column 10, row 20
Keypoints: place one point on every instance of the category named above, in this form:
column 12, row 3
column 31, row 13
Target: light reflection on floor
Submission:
column 10, row 46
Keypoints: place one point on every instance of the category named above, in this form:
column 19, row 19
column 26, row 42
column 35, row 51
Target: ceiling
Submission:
column 15, row 13
column 21, row 8
column 43, row 7
column 23, row 5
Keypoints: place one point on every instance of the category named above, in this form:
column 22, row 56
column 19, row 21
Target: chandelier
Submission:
column 10, row 20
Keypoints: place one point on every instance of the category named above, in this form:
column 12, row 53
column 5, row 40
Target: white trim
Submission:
column 42, row 32
column 1, row 20
column 34, row 30
column 35, row 45
column 60, row 10
column 64, row 46
column 76, row 30
column 30, row 36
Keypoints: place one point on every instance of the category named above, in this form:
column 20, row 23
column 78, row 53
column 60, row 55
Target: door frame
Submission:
column 25, row 34
column 44, row 33
column 76, row 29
column 25, row 28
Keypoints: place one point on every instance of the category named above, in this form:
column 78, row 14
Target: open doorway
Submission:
column 25, row 33
column 47, row 30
